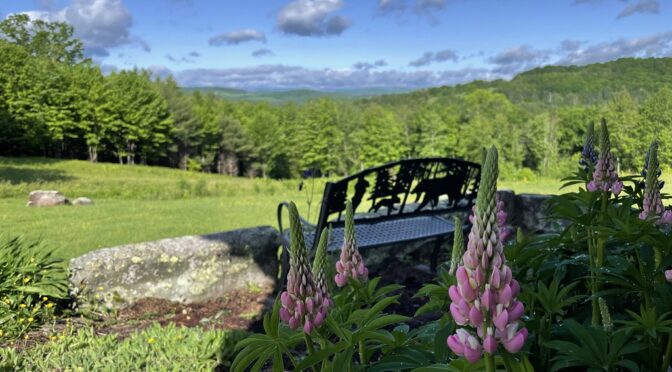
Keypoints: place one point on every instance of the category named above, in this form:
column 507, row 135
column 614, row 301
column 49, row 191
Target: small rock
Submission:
column 82, row 201
column 46, row 198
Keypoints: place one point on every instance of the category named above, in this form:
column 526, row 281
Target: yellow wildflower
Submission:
column 30, row 320
column 26, row 279
column 101, row 288
column 52, row 338
column 61, row 337
column 44, row 299
column 22, row 306
column 25, row 337
column 50, row 305
column 151, row 340
column 1, row 333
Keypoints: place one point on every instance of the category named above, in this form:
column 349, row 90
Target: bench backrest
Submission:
column 402, row 188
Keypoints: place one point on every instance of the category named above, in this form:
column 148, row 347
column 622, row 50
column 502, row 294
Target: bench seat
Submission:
column 385, row 232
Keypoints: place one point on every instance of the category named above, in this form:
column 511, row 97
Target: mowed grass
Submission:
column 140, row 203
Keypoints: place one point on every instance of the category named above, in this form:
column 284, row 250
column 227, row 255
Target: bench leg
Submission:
column 435, row 254
column 284, row 268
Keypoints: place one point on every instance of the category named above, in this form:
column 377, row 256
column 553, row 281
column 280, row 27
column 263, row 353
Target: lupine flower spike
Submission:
column 350, row 264
column 458, row 247
column 588, row 154
column 302, row 302
column 652, row 204
column 484, row 300
column 320, row 278
column 605, row 177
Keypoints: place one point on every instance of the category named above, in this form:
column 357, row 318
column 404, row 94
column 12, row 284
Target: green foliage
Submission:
column 155, row 348
column 30, row 281
column 595, row 349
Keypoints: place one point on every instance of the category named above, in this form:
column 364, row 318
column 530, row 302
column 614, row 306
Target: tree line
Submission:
column 54, row 102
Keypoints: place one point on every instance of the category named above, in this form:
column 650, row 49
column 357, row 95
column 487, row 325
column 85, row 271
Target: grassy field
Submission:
column 138, row 203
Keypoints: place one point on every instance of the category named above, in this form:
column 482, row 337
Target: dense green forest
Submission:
column 56, row 103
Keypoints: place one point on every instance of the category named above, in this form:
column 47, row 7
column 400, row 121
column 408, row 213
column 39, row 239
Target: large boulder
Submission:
column 185, row 269
column 46, row 198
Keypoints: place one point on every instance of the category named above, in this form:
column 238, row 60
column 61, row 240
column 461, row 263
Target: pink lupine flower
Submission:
column 652, row 205
column 350, row 264
column 605, row 177
column 504, row 230
column 668, row 275
column 484, row 300
column 303, row 302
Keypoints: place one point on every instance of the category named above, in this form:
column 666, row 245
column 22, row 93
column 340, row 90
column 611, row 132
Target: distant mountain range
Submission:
column 556, row 86
column 296, row 95
column 544, row 87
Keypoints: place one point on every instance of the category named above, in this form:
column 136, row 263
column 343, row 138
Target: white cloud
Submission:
column 642, row 6
column 262, row 52
column 237, row 37
column 431, row 57
column 312, row 18
column 518, row 59
column 100, row 24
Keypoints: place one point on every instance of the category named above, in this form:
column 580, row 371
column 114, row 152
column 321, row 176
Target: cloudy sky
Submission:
column 349, row 44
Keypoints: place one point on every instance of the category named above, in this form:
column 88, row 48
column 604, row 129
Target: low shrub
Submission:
column 31, row 283
column 155, row 348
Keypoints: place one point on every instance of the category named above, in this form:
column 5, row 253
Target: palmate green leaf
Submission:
column 409, row 358
column 384, row 321
column 320, row 355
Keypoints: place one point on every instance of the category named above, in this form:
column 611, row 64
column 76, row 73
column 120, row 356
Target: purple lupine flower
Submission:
column 605, row 177
column 484, row 300
column 350, row 264
column 652, row 205
column 302, row 302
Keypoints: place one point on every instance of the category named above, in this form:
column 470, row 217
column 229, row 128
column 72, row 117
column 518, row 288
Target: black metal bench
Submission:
column 404, row 201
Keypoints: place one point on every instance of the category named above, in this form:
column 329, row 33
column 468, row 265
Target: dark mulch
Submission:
column 238, row 310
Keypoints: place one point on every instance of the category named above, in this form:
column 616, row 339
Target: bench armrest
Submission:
column 304, row 223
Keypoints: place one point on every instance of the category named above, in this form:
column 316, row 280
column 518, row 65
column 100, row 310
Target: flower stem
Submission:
column 309, row 343
column 489, row 362
column 362, row 353
column 668, row 355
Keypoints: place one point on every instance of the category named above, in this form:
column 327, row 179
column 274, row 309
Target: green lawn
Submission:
column 138, row 203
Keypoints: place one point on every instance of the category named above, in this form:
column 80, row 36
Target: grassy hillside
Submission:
column 139, row 203
column 554, row 86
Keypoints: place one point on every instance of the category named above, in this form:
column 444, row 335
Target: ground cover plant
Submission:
column 595, row 295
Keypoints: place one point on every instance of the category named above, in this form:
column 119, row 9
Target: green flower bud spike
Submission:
column 458, row 246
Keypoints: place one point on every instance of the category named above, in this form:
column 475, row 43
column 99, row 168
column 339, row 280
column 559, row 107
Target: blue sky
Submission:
column 349, row 44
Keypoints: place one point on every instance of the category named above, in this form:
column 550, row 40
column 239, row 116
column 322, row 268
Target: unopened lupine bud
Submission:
column 485, row 296
column 302, row 302
column 588, row 154
column 606, row 317
column 458, row 247
column 319, row 276
column 605, row 177
column 350, row 263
